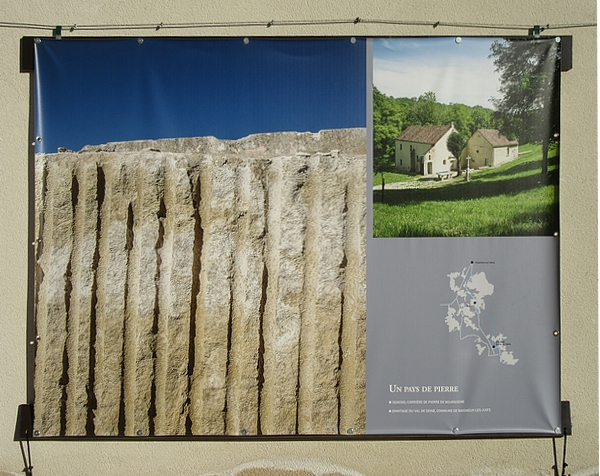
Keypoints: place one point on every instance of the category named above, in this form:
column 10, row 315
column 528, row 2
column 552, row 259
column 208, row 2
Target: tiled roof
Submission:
column 496, row 139
column 423, row 134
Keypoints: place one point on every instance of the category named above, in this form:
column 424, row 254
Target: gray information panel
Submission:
column 462, row 336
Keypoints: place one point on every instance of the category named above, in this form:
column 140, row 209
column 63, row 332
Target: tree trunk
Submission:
column 545, row 147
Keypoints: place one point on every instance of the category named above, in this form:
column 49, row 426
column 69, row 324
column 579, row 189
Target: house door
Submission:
column 413, row 161
column 429, row 168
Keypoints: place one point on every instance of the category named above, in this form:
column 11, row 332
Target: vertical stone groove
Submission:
column 340, row 363
column 196, row 187
column 273, row 224
column 306, row 371
column 80, row 282
column 71, row 325
column 228, row 362
column 64, row 382
column 158, row 403
column 261, row 347
column 352, row 375
column 129, row 326
column 110, row 309
column 92, row 402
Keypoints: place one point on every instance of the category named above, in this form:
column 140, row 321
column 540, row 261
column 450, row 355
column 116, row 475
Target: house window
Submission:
column 400, row 146
column 444, row 162
column 507, row 150
column 400, row 162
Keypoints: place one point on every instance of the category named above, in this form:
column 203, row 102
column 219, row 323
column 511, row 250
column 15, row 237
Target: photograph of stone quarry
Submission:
column 197, row 286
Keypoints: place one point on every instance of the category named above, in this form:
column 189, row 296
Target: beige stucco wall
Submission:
column 578, row 244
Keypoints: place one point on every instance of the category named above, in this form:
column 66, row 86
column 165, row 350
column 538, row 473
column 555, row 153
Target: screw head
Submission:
column 140, row 41
column 139, row 433
column 557, row 431
column 244, row 432
column 455, row 430
column 36, row 433
column 556, row 333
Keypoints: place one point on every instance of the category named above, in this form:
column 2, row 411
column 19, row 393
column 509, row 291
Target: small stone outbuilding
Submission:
column 489, row 148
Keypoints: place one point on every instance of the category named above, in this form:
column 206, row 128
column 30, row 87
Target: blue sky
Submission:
column 457, row 72
column 102, row 90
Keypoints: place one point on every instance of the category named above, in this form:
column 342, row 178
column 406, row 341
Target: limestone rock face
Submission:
column 202, row 287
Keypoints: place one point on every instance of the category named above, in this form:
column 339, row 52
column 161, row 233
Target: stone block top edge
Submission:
column 349, row 141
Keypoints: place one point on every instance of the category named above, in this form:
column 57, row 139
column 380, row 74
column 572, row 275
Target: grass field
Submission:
column 514, row 199
column 391, row 177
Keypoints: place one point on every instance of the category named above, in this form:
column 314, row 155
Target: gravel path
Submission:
column 410, row 185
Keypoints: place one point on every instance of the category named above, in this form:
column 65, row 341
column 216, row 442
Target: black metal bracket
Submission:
column 565, row 409
column 23, row 431
column 565, row 417
column 566, row 53
column 24, row 426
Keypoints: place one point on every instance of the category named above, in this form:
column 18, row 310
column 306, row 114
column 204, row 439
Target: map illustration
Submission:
column 467, row 315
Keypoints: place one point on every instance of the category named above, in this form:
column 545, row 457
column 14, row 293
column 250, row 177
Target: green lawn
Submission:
column 514, row 199
column 391, row 177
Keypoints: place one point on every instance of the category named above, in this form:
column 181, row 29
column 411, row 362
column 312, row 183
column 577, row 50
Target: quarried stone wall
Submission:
column 202, row 287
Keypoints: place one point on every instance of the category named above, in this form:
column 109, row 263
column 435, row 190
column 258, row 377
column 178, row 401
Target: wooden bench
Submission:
column 445, row 175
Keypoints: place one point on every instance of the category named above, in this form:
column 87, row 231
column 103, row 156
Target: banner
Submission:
column 463, row 320
column 296, row 236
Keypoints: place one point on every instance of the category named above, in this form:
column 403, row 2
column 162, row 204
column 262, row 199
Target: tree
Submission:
column 388, row 118
column 456, row 143
column 482, row 119
column 462, row 118
column 529, row 77
column 426, row 111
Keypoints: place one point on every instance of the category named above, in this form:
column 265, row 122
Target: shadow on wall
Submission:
column 289, row 467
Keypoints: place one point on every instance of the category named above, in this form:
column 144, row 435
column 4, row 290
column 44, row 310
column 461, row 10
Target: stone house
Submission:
column 424, row 150
column 489, row 148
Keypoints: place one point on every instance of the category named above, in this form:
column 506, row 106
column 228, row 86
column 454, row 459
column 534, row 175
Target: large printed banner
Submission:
column 340, row 236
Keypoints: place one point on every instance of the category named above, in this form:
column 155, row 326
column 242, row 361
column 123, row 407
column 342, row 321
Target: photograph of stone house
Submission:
column 489, row 148
column 424, row 150
column 455, row 151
